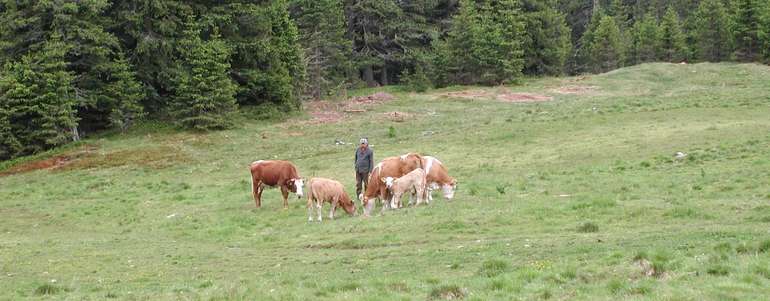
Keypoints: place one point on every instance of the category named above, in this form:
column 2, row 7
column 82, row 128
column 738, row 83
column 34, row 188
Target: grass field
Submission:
column 575, row 198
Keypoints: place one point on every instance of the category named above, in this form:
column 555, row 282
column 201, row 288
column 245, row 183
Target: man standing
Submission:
column 364, row 165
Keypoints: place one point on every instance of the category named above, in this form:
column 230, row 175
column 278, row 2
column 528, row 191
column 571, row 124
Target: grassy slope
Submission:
column 104, row 230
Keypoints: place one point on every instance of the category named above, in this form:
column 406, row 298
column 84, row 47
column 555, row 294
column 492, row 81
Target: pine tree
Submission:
column 606, row 50
column 38, row 99
column 9, row 145
column 373, row 27
column 123, row 93
column 646, row 39
column 745, row 28
column 673, row 43
column 327, row 50
column 205, row 94
column 764, row 31
column 582, row 60
column 711, row 31
column 547, row 44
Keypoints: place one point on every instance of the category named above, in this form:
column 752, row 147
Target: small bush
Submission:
column 617, row 287
column 501, row 189
column 588, row 227
column 494, row 267
column 391, row 132
column 718, row 270
column 416, row 81
column 48, row 289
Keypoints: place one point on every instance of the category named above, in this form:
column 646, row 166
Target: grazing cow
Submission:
column 436, row 177
column 413, row 182
column 274, row 173
column 389, row 167
column 320, row 190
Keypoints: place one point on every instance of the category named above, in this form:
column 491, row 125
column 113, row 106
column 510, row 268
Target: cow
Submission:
column 437, row 177
column 320, row 190
column 274, row 173
column 389, row 167
column 412, row 182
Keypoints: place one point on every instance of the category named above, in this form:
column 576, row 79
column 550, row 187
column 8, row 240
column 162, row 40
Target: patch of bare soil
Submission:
column 575, row 89
column 324, row 112
column 468, row 94
column 55, row 162
column 88, row 157
column 398, row 116
column 523, row 97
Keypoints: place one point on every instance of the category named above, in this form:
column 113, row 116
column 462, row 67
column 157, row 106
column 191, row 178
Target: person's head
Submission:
column 364, row 142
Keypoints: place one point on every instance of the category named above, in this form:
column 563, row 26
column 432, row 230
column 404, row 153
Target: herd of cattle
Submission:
column 390, row 179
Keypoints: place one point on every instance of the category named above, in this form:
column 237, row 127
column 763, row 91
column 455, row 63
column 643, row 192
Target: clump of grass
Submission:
column 718, row 270
column 588, row 227
column 48, row 289
column 494, row 267
column 616, row 286
column 723, row 247
column 447, row 292
column 761, row 270
column 764, row 246
column 501, row 188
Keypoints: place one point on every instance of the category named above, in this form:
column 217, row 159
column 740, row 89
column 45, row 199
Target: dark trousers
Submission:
column 361, row 177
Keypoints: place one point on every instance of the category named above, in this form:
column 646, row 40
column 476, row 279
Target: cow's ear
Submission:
column 383, row 180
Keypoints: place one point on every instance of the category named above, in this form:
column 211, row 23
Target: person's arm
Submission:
column 371, row 160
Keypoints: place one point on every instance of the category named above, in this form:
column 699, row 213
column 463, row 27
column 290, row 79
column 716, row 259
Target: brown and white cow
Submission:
column 437, row 177
column 320, row 190
column 389, row 167
column 274, row 173
column 412, row 182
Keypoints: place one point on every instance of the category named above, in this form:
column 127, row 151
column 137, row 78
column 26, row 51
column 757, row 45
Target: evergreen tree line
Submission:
column 69, row 67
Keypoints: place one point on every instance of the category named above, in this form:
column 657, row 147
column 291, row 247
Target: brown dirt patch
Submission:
column 324, row 112
column 523, row 97
column 468, row 94
column 397, row 116
column 575, row 89
column 89, row 157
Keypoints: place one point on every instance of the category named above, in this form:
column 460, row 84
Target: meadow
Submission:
column 579, row 197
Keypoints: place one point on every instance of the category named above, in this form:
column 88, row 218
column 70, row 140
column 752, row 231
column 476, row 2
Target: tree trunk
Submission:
column 384, row 76
column 369, row 76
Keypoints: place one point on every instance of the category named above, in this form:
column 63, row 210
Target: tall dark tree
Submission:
column 373, row 26
column 327, row 50
column 645, row 37
column 606, row 50
column 673, row 43
column 547, row 44
column 764, row 31
column 711, row 32
column 746, row 28
column 205, row 94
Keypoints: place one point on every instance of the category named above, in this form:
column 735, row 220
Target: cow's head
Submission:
column 296, row 185
column 388, row 181
column 348, row 205
column 449, row 189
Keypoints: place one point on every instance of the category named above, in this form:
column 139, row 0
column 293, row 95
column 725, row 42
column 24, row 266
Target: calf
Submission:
column 413, row 182
column 320, row 190
column 274, row 173
column 389, row 167
column 436, row 176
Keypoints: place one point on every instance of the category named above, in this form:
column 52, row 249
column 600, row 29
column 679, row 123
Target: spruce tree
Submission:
column 582, row 60
column 764, row 31
column 205, row 94
column 547, row 44
column 673, row 43
column 123, row 94
column 606, row 50
column 746, row 28
column 711, row 33
column 327, row 50
column 646, row 39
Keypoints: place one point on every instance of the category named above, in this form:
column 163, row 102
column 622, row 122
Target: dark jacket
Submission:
column 364, row 160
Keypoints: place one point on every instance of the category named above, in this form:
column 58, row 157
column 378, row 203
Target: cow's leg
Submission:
column 309, row 207
column 334, row 207
column 319, row 207
column 256, row 185
column 285, row 194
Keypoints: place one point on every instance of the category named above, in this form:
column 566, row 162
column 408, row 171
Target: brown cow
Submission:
column 437, row 177
column 389, row 167
column 320, row 190
column 275, row 173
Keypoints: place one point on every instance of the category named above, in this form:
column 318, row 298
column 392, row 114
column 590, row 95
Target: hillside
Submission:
column 568, row 189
